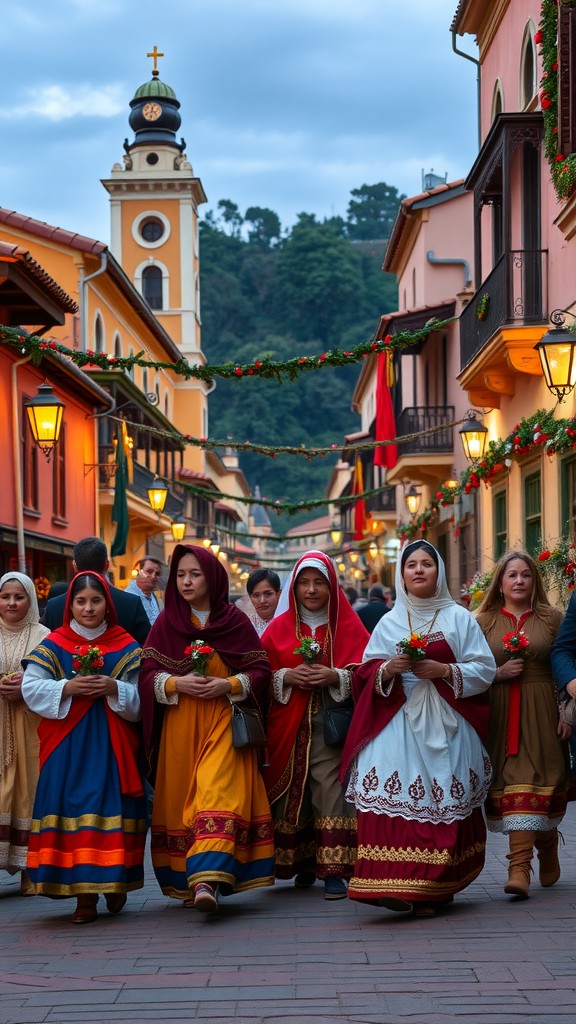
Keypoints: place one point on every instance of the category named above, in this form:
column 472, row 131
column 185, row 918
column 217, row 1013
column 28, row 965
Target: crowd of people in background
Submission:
column 304, row 734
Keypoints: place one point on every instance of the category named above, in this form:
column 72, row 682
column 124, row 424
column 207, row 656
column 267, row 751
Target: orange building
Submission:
column 45, row 502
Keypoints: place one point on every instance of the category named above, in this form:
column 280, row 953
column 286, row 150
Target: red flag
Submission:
column 385, row 429
column 360, row 505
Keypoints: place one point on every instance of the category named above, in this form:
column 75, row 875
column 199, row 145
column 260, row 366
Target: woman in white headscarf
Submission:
column 20, row 632
column 414, row 760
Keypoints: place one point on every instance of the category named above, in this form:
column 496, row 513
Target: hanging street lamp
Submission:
column 412, row 499
column 157, row 494
column 557, row 351
column 45, row 418
column 178, row 531
column 474, row 437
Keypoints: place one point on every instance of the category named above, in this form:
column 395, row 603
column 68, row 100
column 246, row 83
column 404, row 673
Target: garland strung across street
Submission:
column 267, row 368
column 280, row 505
column 541, row 430
column 272, row 451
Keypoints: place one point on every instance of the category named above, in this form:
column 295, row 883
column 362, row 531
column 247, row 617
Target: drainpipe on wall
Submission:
column 83, row 283
column 475, row 61
column 455, row 261
column 18, row 467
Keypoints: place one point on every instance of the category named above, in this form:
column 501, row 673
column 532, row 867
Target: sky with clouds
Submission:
column 287, row 104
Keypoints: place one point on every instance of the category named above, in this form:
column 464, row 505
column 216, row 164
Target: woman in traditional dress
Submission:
column 416, row 767
column 211, row 823
column 89, row 821
column 315, row 828
column 20, row 632
column 528, row 795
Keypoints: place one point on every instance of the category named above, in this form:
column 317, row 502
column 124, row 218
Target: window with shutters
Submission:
column 500, row 525
column 532, row 513
column 566, row 79
column 59, row 479
column 29, row 452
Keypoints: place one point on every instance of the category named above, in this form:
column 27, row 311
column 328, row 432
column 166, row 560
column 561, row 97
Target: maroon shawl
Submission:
column 228, row 630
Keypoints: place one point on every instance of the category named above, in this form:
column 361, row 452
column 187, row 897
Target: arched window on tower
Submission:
column 152, row 286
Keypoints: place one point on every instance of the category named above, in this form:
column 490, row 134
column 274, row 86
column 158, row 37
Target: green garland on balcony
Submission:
column 540, row 430
column 563, row 169
column 267, row 368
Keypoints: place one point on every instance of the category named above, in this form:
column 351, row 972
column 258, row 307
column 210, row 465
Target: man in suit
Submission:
column 377, row 606
column 91, row 554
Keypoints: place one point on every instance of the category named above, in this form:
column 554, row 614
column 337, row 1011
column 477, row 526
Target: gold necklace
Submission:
column 326, row 646
column 432, row 621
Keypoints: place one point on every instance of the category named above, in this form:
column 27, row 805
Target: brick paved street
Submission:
column 283, row 956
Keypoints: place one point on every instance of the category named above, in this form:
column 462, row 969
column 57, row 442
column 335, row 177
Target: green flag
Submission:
column 120, row 507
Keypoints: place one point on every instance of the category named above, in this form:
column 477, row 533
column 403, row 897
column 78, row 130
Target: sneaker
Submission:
column 304, row 879
column 335, row 889
column 205, row 898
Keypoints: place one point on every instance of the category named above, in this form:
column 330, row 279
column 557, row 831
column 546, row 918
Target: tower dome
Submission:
column 154, row 116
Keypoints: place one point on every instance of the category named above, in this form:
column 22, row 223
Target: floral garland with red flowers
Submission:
column 265, row 367
column 563, row 169
column 540, row 430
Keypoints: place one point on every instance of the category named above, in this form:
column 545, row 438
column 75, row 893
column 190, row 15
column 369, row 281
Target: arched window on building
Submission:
column 98, row 334
column 497, row 100
column 152, row 286
column 528, row 84
column 117, row 345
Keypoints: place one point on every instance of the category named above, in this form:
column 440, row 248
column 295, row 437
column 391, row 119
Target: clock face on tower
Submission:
column 151, row 111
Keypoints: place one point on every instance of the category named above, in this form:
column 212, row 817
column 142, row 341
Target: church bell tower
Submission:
column 154, row 201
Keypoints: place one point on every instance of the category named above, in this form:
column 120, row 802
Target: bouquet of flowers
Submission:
column 515, row 644
column 414, row 646
column 87, row 660
column 309, row 649
column 199, row 652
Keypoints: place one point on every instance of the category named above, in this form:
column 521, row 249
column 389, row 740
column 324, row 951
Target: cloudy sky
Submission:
column 287, row 104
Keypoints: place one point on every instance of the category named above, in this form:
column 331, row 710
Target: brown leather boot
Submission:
column 520, row 857
column 547, row 845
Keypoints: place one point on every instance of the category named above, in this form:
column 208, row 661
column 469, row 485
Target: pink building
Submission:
column 496, row 251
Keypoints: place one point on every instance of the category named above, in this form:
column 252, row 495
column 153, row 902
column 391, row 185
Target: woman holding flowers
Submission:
column 20, row 632
column 414, row 759
column 89, row 819
column 211, row 823
column 528, row 795
column 311, row 641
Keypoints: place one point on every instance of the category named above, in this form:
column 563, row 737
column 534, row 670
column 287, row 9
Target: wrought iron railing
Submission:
column 418, row 418
column 515, row 292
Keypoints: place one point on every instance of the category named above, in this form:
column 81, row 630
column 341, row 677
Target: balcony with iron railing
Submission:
column 515, row 294
column 417, row 419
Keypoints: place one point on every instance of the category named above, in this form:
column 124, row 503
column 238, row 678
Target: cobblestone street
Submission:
column 283, row 956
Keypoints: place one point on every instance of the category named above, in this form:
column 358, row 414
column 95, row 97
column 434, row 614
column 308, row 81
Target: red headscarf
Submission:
column 349, row 638
column 113, row 639
column 228, row 630
column 349, row 635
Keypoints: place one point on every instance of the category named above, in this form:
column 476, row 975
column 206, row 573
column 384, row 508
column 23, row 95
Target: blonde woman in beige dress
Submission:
column 528, row 795
column 20, row 632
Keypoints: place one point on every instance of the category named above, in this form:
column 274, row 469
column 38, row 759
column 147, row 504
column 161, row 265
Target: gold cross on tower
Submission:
column 155, row 54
